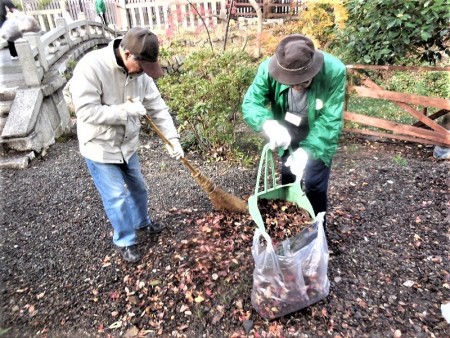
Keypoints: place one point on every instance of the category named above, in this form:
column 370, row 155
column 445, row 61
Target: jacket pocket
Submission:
column 88, row 132
column 132, row 128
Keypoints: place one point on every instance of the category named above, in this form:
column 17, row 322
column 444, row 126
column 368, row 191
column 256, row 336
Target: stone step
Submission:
column 19, row 160
column 5, row 107
column 2, row 123
column 12, row 80
column 11, row 67
column 8, row 93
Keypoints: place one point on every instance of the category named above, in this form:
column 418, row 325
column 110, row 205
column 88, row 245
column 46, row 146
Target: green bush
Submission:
column 383, row 32
column 205, row 97
column 421, row 83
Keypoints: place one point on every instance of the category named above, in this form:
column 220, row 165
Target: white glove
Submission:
column 177, row 151
column 278, row 135
column 297, row 163
column 134, row 107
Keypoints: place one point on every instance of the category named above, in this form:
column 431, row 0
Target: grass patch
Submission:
column 400, row 161
column 377, row 108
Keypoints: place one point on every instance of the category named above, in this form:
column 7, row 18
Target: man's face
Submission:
column 132, row 64
column 301, row 86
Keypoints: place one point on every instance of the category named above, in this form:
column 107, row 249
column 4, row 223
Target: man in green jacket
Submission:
column 100, row 8
column 297, row 99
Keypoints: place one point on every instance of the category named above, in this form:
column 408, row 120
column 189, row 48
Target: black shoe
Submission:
column 130, row 253
column 153, row 228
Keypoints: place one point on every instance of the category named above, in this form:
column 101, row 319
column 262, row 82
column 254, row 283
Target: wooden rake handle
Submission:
column 152, row 124
column 192, row 169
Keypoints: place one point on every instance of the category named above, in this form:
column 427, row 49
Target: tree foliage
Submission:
column 320, row 20
column 384, row 32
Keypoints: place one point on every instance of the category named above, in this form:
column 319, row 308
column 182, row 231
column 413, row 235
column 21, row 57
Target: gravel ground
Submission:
column 60, row 277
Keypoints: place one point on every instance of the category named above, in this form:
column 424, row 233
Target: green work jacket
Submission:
column 268, row 99
column 100, row 6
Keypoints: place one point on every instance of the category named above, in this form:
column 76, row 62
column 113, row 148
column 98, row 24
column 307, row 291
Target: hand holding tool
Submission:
column 220, row 199
column 278, row 135
column 134, row 107
column 297, row 162
column 177, row 151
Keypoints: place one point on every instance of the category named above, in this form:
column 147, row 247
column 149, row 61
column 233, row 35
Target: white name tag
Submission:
column 292, row 118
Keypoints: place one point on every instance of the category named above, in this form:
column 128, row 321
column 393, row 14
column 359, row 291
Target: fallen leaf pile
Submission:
column 61, row 277
column 210, row 272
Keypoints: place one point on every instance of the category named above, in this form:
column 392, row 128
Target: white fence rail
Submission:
column 178, row 14
column 160, row 16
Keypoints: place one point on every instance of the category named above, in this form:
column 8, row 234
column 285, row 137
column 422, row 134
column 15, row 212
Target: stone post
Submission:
column 30, row 72
column 35, row 41
column 61, row 22
column 84, row 29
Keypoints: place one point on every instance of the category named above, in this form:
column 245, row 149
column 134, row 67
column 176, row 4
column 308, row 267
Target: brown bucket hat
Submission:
column 144, row 45
column 295, row 60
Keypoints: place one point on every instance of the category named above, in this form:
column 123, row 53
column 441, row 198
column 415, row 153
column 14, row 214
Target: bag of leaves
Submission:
column 291, row 275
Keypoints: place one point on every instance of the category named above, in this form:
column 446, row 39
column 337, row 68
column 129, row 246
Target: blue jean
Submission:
column 124, row 195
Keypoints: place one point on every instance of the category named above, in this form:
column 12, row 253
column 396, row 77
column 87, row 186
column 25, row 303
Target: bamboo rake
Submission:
column 220, row 199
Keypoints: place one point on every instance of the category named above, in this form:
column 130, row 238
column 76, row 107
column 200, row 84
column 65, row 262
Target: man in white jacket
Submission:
column 111, row 89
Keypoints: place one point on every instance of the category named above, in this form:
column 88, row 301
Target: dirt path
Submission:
column 388, row 240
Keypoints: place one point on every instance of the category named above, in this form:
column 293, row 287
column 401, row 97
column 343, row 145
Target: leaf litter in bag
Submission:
column 286, row 222
column 291, row 260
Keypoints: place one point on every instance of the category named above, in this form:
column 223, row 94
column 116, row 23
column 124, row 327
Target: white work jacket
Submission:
column 98, row 88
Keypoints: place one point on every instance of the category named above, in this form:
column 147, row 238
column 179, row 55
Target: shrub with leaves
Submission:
column 425, row 83
column 206, row 97
column 382, row 32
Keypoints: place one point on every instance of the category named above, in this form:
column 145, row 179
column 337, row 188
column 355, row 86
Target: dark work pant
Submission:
column 316, row 178
column 104, row 19
column 12, row 48
column 11, row 45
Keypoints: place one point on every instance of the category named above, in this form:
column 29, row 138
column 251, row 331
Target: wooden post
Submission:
column 62, row 5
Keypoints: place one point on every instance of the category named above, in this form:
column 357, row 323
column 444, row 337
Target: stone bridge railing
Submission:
column 38, row 53
column 38, row 113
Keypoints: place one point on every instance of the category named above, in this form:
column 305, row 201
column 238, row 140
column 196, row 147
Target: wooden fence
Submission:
column 158, row 15
column 426, row 130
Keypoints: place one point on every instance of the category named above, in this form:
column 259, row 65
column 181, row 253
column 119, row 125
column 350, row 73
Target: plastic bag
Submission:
column 14, row 27
column 292, row 275
column 441, row 153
